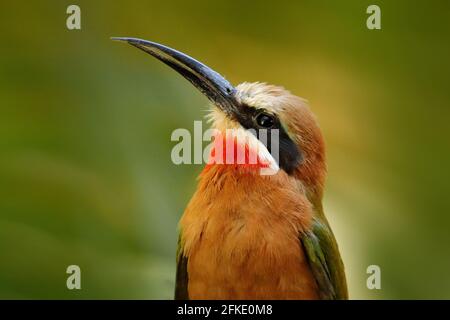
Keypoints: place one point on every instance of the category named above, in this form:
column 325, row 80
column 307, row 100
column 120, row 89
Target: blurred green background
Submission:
column 85, row 124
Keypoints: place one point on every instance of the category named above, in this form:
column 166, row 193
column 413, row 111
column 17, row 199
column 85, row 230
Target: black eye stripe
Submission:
column 290, row 156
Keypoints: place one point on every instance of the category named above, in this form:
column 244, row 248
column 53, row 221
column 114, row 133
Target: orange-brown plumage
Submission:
column 242, row 247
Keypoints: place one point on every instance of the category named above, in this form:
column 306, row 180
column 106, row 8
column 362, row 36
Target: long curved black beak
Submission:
column 209, row 82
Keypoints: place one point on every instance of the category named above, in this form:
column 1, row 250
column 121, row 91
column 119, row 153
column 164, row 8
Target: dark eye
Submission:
column 265, row 120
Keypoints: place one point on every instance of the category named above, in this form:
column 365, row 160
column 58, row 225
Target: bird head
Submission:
column 252, row 107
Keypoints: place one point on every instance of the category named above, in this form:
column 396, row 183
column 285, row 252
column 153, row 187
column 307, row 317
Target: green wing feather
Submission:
column 181, row 280
column 324, row 259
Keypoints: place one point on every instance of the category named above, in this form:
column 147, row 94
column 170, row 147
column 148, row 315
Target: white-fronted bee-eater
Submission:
column 247, row 235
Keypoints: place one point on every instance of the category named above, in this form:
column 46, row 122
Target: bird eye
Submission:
column 265, row 120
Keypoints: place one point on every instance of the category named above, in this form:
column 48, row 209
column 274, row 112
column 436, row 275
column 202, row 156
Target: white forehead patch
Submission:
column 269, row 97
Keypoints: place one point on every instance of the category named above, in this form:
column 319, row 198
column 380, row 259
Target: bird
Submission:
column 246, row 235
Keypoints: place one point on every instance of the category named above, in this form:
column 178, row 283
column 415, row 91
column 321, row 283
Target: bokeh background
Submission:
column 85, row 124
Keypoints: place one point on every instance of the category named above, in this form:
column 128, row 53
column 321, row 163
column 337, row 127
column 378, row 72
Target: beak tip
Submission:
column 119, row 39
column 127, row 39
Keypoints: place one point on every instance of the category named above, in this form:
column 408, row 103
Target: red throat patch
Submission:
column 229, row 151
